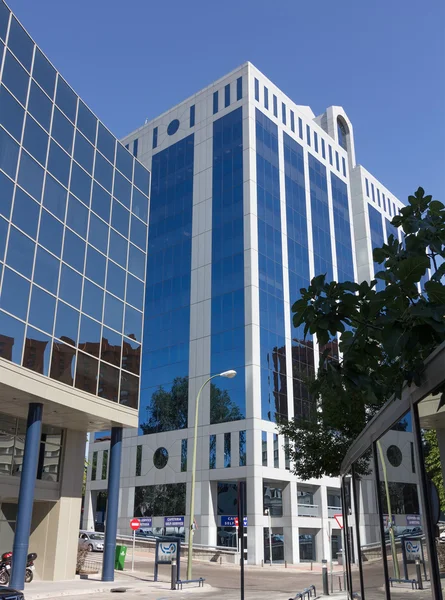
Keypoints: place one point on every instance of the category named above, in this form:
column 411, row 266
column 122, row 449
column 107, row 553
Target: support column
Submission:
column 26, row 495
column 112, row 504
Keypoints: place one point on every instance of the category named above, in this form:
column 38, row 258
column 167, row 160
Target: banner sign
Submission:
column 173, row 521
column 146, row 521
column 413, row 520
column 229, row 521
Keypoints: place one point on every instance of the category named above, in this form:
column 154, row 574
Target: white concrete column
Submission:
column 255, row 518
column 291, row 534
column 89, row 509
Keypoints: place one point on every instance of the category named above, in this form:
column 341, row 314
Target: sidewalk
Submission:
column 136, row 582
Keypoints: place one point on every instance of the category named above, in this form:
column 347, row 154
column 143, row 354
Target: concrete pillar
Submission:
column 112, row 504
column 291, row 537
column 89, row 509
column 207, row 519
column 255, row 519
column 26, row 494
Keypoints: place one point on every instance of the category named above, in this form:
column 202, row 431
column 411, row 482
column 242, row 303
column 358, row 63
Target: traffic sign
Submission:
column 339, row 519
column 135, row 524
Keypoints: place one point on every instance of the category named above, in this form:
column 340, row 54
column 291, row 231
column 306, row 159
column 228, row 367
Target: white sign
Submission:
column 167, row 551
column 413, row 550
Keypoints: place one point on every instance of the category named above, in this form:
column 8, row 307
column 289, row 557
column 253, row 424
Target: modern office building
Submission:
column 252, row 196
column 73, row 235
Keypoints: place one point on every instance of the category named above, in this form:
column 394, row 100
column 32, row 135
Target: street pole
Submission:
column 132, row 554
column 228, row 374
column 270, row 535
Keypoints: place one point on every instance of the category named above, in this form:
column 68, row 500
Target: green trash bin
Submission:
column 119, row 559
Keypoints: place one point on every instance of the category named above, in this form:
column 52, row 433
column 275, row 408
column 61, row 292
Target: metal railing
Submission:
column 334, row 510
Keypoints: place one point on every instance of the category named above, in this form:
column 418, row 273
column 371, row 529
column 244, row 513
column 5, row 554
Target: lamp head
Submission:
column 229, row 374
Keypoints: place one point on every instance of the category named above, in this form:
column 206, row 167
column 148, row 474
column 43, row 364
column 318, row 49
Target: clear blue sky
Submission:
column 383, row 61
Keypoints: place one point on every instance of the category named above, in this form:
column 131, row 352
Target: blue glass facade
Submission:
column 321, row 233
column 73, row 231
column 270, row 268
column 227, row 398
column 164, row 389
column 377, row 239
column 342, row 226
column 298, row 263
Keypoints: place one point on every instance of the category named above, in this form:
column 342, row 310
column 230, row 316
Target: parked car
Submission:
column 92, row 541
column 7, row 593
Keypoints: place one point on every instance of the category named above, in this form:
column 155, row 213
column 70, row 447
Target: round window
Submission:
column 173, row 127
column 394, row 455
column 160, row 458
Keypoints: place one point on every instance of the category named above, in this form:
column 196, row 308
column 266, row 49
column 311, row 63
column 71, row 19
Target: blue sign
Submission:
column 229, row 521
column 146, row 521
column 173, row 521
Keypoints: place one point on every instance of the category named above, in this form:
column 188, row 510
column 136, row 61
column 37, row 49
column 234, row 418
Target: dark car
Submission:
column 7, row 593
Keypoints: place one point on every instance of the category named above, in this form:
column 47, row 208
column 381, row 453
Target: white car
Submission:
column 93, row 541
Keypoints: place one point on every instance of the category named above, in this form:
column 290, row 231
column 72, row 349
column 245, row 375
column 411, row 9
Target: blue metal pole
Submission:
column 114, row 472
column 26, row 495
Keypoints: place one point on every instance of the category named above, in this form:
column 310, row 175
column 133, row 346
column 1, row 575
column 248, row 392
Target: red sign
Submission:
column 135, row 524
column 339, row 519
column 236, row 521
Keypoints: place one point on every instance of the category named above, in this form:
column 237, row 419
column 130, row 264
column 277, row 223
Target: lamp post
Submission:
column 229, row 375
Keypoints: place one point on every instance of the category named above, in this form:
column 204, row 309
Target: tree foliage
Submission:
column 384, row 336
column 433, row 464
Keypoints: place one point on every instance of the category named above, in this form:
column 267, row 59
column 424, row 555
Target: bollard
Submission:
column 419, row 574
column 220, row 560
column 262, row 563
column 312, row 565
column 285, row 564
column 173, row 575
column 339, row 584
column 324, row 575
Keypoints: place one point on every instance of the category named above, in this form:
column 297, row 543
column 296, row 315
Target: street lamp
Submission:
column 229, row 375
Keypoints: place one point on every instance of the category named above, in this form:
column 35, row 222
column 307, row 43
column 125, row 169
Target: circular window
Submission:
column 394, row 455
column 173, row 127
column 160, row 458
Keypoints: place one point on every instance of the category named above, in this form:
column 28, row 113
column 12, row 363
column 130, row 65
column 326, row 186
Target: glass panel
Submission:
column 44, row 73
column 62, row 130
column 103, row 172
column 111, row 348
column 39, row 106
column 66, row 99
column 63, row 363
column 86, row 122
column 4, row 20
column 3, row 234
column 50, row 233
column 242, row 448
column 101, row 202
column 83, row 152
column 59, row 163
column 74, row 250
column 25, row 213
column 37, row 351
column 212, row 451
column 35, row 140
column 93, row 298
column 122, row 189
column 227, row 450
column 11, row 338
column 90, row 335
column 7, row 188
column 9, row 153
column 15, row 78
column 215, row 102
column 20, row 43
column 257, row 89
column 95, row 266
column 67, row 324
column 114, row 311
column 11, row 114
column 136, row 262
column 31, row 176
column 131, row 356
column 239, row 88
column 140, row 205
column 54, row 198
column 129, row 394
column 41, row 310
column 70, row 286
column 133, row 323
column 20, row 254
column 227, row 95
column 124, row 161
column 106, row 142
column 46, row 270
column 138, row 233
column 264, row 448
column 307, row 545
column 80, row 184
column 183, row 455
column 141, row 178
column 98, row 233
column 155, row 137
column 135, row 292
column 192, row 123
column 77, row 216
column 118, row 248
column 87, row 369
column 108, row 382
column 273, row 542
column 120, row 218
column 15, row 294
column 116, row 280
column 273, row 498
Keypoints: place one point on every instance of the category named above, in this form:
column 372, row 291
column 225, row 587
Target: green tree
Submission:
column 384, row 337
column 168, row 410
column 433, row 464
